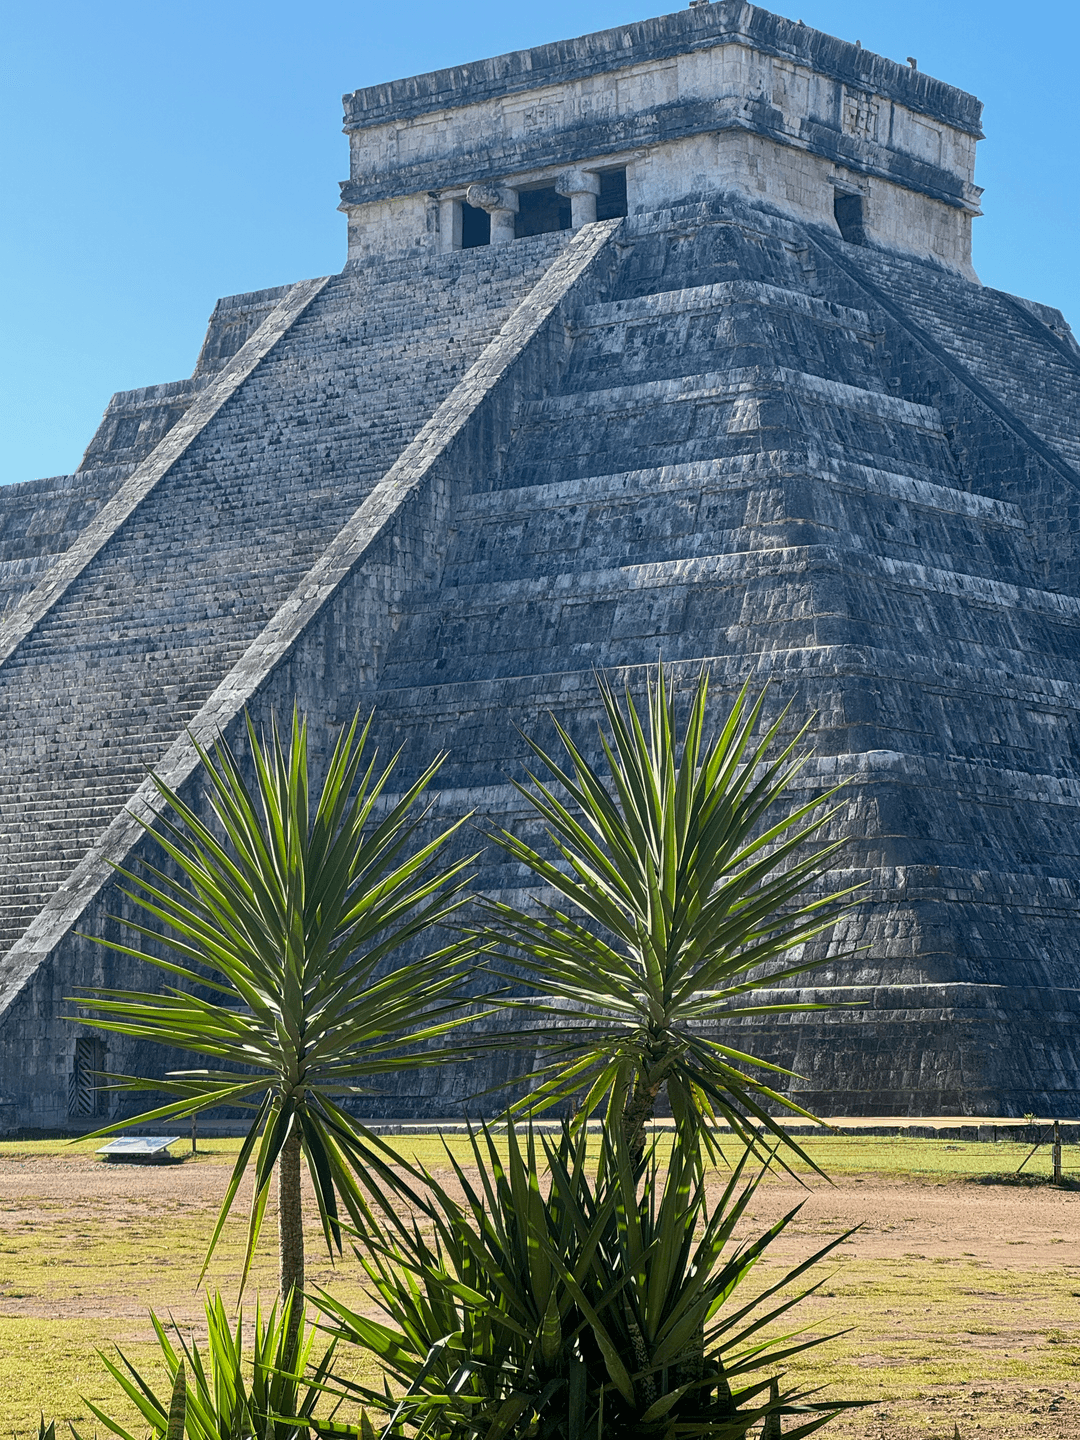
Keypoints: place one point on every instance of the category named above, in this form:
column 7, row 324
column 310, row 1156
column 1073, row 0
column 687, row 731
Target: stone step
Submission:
column 731, row 325
column 631, row 486
column 702, row 416
column 684, row 510
column 85, row 809
column 707, row 299
column 737, row 566
column 735, row 332
column 707, row 252
column 821, row 592
column 731, row 385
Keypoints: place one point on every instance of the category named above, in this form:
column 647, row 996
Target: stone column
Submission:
column 582, row 188
column 501, row 204
column 449, row 224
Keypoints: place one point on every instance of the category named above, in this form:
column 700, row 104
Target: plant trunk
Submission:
column 291, row 1234
column 773, row 1429
column 639, row 1111
column 290, row 1215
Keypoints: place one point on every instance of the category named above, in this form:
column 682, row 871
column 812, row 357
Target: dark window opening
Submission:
column 611, row 202
column 475, row 226
column 540, row 212
column 84, row 1095
column 848, row 210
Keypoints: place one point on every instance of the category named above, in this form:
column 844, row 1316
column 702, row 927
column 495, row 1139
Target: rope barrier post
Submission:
column 1053, row 1127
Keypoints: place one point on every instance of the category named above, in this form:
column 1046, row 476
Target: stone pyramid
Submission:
column 660, row 341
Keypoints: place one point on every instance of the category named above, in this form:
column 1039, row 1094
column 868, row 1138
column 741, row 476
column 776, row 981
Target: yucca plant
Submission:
column 175, row 1420
column 681, row 871
column 233, row 1393
column 279, row 929
column 605, row 1304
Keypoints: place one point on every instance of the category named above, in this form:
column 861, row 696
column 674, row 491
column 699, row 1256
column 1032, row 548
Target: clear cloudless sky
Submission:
column 156, row 156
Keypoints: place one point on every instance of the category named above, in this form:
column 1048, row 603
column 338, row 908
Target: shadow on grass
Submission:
column 1024, row 1182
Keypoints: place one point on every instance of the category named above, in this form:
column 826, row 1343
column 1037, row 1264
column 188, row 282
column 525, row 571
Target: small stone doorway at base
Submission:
column 85, row 1097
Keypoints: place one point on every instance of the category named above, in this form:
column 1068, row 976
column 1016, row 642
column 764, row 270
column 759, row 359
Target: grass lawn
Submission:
column 961, row 1301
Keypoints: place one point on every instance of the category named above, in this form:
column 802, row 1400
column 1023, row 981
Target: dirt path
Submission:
column 942, row 1219
column 988, row 1223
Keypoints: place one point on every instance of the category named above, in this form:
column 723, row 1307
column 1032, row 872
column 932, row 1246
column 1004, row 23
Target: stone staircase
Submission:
column 101, row 686
column 1032, row 371
column 41, row 519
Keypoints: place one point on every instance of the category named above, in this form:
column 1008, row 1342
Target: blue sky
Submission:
column 158, row 156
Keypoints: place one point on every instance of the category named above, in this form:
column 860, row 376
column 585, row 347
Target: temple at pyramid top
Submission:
column 719, row 98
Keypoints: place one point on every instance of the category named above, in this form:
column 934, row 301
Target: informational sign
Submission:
column 144, row 1149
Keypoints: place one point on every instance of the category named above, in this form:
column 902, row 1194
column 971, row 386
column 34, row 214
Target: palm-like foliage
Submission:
column 687, row 871
column 278, row 927
column 597, row 1307
column 238, row 1390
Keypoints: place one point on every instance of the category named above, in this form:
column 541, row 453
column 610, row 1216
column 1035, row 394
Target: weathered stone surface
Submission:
column 451, row 483
column 41, row 519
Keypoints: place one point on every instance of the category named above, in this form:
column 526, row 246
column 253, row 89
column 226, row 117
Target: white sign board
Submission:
column 139, row 1147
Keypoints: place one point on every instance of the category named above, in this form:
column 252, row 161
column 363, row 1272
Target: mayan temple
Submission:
column 665, row 340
